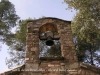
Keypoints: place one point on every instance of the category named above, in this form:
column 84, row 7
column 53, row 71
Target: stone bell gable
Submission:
column 64, row 34
column 68, row 57
column 66, row 64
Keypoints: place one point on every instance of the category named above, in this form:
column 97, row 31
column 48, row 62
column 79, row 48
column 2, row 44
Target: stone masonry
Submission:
column 67, row 47
column 67, row 64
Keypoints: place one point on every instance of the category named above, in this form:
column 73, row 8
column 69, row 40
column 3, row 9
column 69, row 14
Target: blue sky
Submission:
column 36, row 9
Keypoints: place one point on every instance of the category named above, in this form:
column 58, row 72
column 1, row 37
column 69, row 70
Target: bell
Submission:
column 49, row 41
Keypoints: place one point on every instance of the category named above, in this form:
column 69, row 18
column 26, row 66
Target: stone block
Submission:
column 26, row 59
column 67, row 57
column 52, row 74
column 34, row 49
column 67, row 28
column 35, row 45
column 32, row 66
column 36, row 29
column 30, row 24
column 74, row 65
column 62, row 64
column 67, row 48
column 38, row 23
column 71, row 58
column 73, row 72
column 36, row 26
column 51, row 65
column 83, row 72
column 72, row 45
column 29, row 30
column 75, row 58
column 36, row 73
column 29, row 42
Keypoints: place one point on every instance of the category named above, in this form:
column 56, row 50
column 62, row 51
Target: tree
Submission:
column 85, row 25
column 50, row 51
column 17, row 45
column 55, row 50
column 8, row 19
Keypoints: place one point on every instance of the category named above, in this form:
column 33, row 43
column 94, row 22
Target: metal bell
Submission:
column 49, row 41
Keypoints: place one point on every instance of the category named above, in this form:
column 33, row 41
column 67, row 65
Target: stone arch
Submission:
column 51, row 29
column 48, row 27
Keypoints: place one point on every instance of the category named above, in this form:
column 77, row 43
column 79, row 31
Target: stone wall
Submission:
column 56, row 67
column 67, row 64
column 86, row 69
column 65, row 33
column 32, row 43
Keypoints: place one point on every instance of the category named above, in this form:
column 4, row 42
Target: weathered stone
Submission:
column 62, row 64
column 26, row 59
column 74, row 65
column 67, row 66
column 34, row 49
column 50, row 65
column 29, row 42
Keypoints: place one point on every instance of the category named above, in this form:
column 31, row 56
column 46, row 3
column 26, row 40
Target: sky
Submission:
column 36, row 9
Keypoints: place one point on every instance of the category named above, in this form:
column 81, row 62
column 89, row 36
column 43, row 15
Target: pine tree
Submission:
column 8, row 19
column 85, row 26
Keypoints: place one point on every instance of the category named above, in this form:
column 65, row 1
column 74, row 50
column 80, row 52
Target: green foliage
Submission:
column 55, row 50
column 8, row 19
column 19, row 38
column 17, row 45
column 85, row 26
column 49, row 51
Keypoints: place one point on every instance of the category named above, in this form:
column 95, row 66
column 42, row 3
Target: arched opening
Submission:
column 48, row 33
